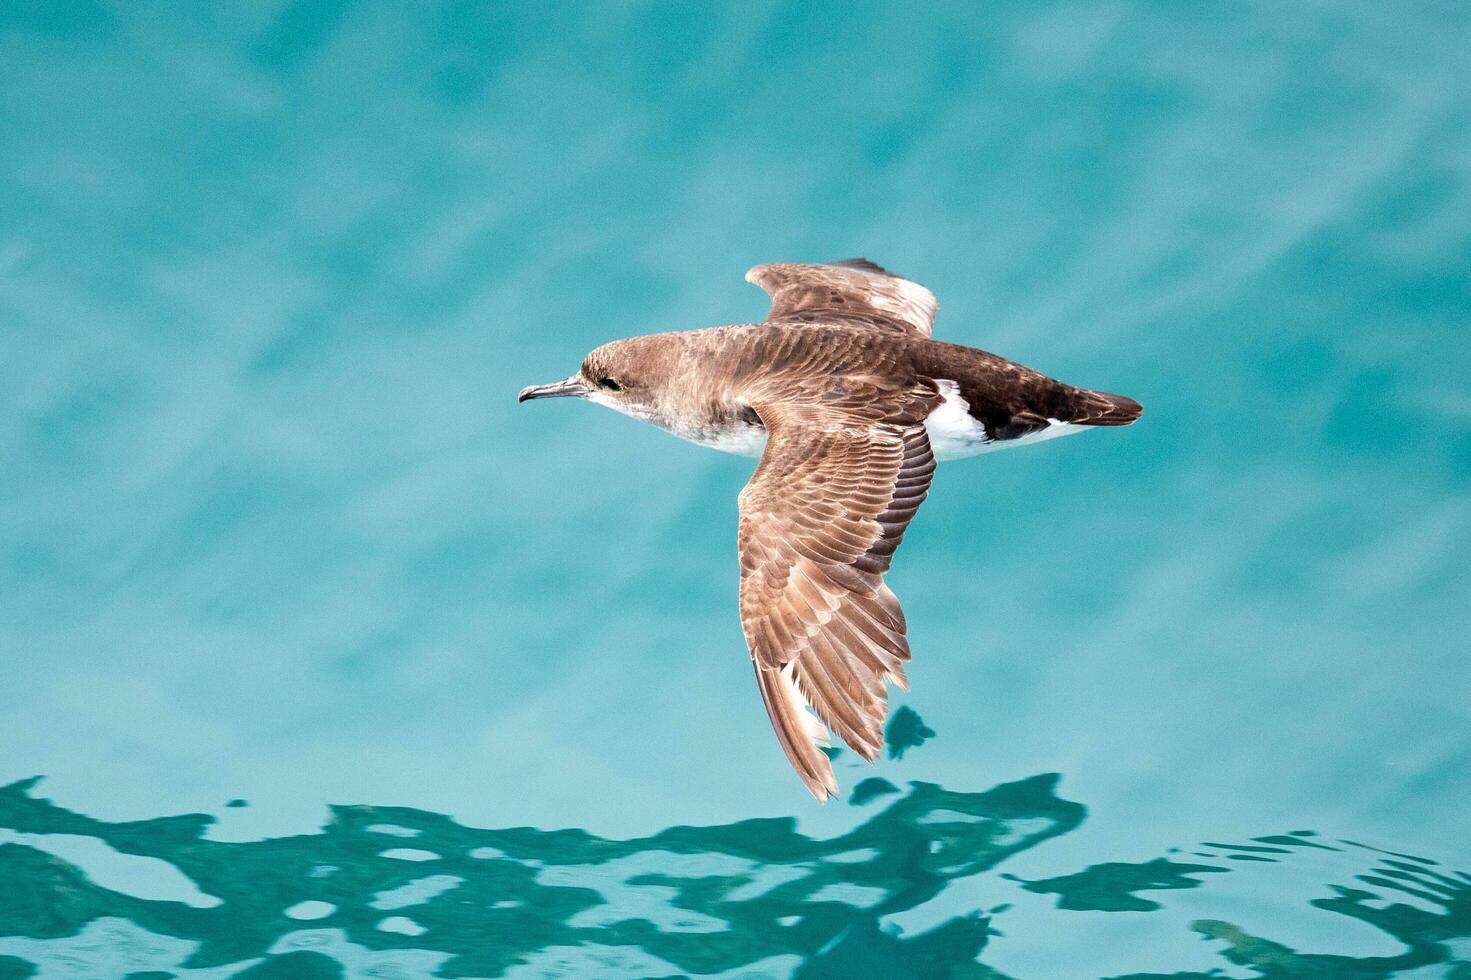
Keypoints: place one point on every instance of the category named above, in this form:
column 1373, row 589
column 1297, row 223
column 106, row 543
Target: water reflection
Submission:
column 399, row 892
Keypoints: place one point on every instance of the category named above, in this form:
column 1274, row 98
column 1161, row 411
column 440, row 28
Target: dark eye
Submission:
column 610, row 384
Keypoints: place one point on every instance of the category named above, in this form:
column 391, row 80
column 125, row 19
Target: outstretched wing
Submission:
column 819, row 523
column 852, row 288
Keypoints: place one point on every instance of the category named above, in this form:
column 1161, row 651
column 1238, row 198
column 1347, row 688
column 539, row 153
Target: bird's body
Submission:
column 987, row 402
column 849, row 403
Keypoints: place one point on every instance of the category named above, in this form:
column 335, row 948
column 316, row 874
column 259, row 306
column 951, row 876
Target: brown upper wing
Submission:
column 819, row 523
column 856, row 289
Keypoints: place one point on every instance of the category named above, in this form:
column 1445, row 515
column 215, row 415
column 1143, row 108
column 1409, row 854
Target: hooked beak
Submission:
column 571, row 387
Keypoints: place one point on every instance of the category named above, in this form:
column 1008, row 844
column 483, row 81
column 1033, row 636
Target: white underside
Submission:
column 954, row 433
column 743, row 440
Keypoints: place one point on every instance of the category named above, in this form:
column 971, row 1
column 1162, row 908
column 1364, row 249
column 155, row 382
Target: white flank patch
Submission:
column 954, row 433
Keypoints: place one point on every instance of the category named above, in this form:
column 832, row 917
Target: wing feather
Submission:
column 820, row 521
column 853, row 291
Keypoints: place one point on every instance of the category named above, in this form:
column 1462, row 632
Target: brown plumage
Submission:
column 846, row 390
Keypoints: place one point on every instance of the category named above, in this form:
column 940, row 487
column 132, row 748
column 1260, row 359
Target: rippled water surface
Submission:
column 321, row 658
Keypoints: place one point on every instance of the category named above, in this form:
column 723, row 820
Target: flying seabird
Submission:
column 848, row 402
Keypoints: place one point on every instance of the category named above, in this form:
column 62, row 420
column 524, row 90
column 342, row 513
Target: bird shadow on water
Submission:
column 401, row 892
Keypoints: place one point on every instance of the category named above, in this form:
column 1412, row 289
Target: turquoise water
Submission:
column 332, row 661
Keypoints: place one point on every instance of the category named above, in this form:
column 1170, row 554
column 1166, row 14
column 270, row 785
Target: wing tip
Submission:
column 801, row 735
column 822, row 791
column 906, row 302
column 865, row 265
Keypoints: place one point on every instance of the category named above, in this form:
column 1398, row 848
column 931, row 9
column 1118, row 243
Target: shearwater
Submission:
column 848, row 402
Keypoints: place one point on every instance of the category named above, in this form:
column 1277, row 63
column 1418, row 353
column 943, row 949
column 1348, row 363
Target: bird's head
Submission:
column 629, row 376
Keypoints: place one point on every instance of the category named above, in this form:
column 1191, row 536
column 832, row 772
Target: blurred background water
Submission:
column 277, row 548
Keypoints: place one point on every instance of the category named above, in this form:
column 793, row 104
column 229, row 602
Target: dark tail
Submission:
column 1102, row 408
